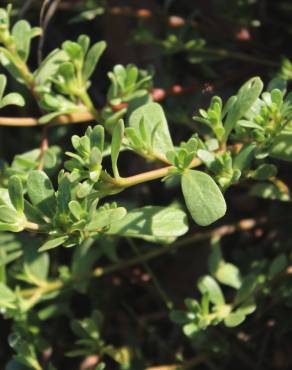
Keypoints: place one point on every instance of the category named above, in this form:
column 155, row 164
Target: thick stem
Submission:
column 90, row 106
column 127, row 182
column 78, row 117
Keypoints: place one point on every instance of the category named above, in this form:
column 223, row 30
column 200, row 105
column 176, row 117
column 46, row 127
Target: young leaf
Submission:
column 49, row 66
column 22, row 37
column 12, row 99
column 74, row 51
column 84, row 42
column 92, row 59
column 116, row 145
column 203, row 197
column 207, row 285
column 229, row 274
column 234, row 319
column 246, row 97
column 153, row 114
column 15, row 190
column 53, row 243
column 106, row 217
column 41, row 192
column 76, row 209
column 97, row 138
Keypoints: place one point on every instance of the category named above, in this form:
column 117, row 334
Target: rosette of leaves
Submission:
column 70, row 80
column 129, row 88
column 222, row 119
column 86, row 163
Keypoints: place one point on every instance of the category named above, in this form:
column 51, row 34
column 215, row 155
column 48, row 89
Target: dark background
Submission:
column 249, row 30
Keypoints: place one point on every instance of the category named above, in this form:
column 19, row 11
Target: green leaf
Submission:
column 3, row 82
column 76, row 209
column 234, row 319
column 74, row 51
column 9, row 62
column 117, row 139
column 15, row 228
column 84, row 42
column 153, row 114
column 92, row 59
column 15, row 190
column 32, row 213
column 152, row 224
column 282, row 147
column 179, row 317
column 41, row 192
column 53, row 243
column 84, row 258
column 8, row 215
column 264, row 172
column 247, row 307
column 12, row 99
column 120, row 355
column 106, row 217
column 278, row 265
column 49, row 66
column 246, row 97
column 244, row 158
column 207, row 285
column 36, row 265
column 247, row 288
column 269, row 190
column 229, row 274
column 7, row 296
column 203, row 197
column 21, row 33
column 64, row 195
column 97, row 138
column 226, row 273
column 190, row 329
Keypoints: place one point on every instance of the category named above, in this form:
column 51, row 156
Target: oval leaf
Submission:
column 41, row 192
column 203, row 197
column 15, row 190
column 154, row 120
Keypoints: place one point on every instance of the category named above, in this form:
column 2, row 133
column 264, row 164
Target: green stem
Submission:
column 127, row 182
column 90, row 106
column 21, row 66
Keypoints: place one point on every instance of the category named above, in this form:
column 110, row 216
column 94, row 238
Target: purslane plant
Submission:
column 74, row 210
